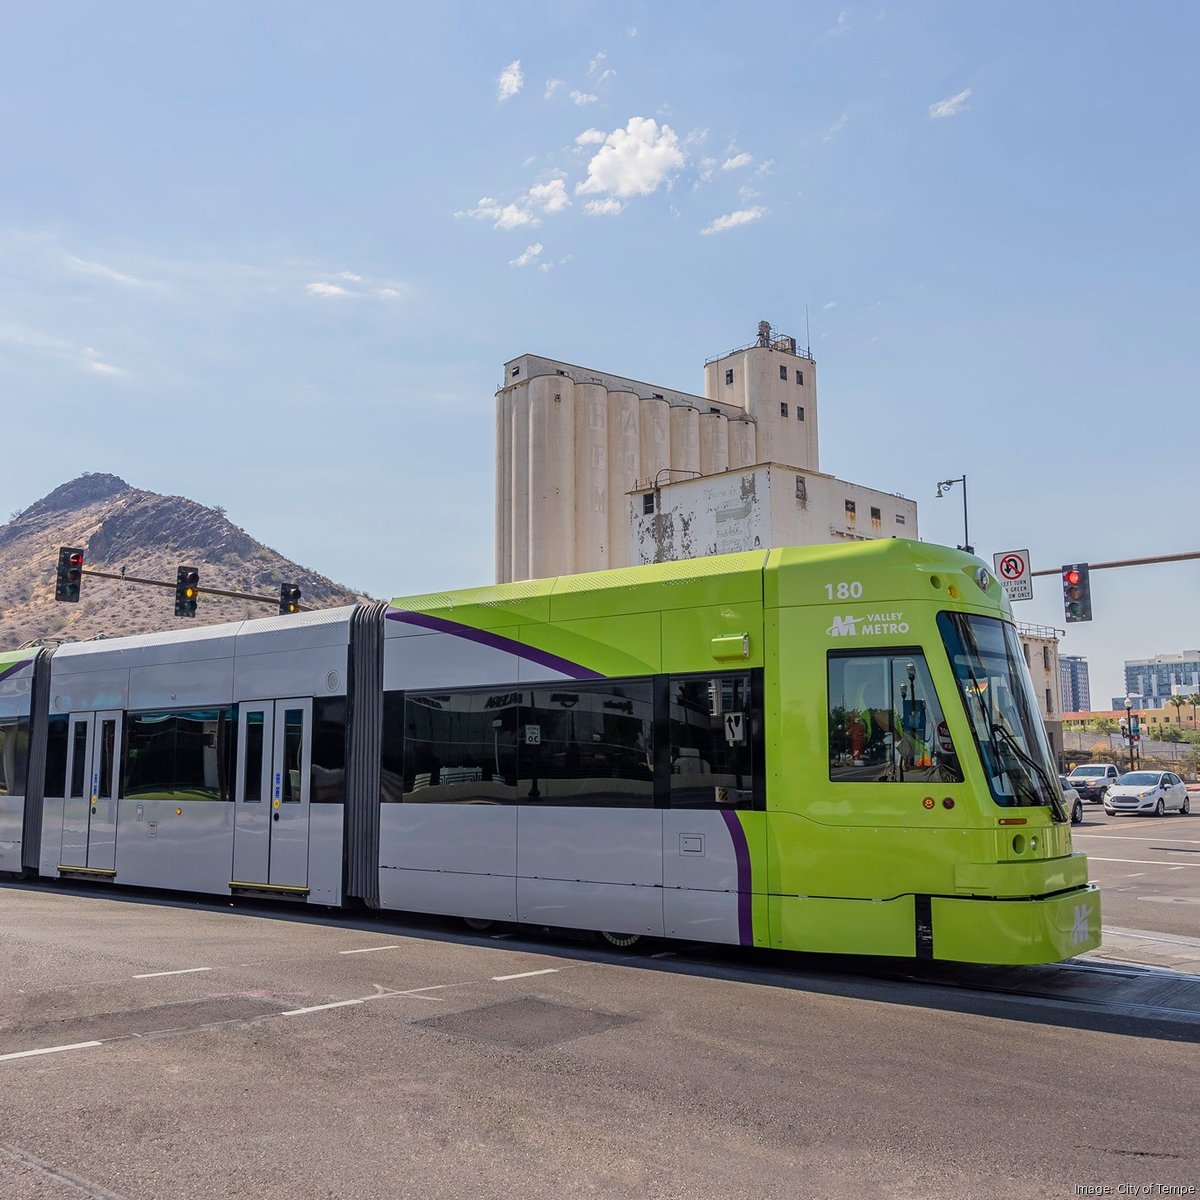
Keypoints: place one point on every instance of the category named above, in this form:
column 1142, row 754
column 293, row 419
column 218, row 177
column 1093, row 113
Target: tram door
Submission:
column 270, row 841
column 90, row 811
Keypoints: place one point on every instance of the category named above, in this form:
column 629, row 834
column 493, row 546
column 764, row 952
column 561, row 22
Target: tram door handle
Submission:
column 274, row 815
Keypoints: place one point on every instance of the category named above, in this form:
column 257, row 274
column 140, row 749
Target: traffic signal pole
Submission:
column 203, row 591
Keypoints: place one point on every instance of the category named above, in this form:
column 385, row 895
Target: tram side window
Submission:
column 588, row 745
column 329, row 751
column 180, row 755
column 885, row 722
column 460, row 747
column 57, row 734
column 14, row 756
column 716, row 741
column 79, row 764
column 391, row 773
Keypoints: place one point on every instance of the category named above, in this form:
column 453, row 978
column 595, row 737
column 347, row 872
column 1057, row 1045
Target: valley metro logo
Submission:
column 1079, row 931
column 844, row 626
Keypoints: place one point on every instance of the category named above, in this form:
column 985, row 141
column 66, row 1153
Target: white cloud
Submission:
column 737, row 161
column 103, row 272
column 742, row 217
column 554, row 85
column 631, row 31
column 591, row 137
column 748, row 193
column 831, row 304
column 599, row 72
column 836, row 127
column 633, row 161
column 951, row 106
column 764, row 168
column 325, row 289
column 388, row 293
column 551, row 197
column 707, row 167
column 531, row 253
column 584, row 98
column 350, row 275
column 510, row 81
column 609, row 207
column 103, row 368
column 504, row 216
column 842, row 26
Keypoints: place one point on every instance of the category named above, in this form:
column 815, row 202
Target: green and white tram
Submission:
column 827, row 748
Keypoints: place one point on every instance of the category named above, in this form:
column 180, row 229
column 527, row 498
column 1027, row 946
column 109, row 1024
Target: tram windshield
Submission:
column 998, row 696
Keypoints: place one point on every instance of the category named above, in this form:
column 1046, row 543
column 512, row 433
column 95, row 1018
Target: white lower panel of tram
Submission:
column 648, row 871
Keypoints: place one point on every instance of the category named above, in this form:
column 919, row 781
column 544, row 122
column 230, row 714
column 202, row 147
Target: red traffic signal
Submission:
column 70, row 574
column 1077, row 592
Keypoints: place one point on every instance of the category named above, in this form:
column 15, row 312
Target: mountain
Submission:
column 147, row 535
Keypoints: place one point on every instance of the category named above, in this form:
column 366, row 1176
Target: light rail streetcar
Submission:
column 828, row 748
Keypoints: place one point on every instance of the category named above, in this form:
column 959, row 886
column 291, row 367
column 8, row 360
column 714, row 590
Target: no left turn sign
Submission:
column 1012, row 569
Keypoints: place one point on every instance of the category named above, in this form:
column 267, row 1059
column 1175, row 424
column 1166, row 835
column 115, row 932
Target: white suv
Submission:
column 1093, row 780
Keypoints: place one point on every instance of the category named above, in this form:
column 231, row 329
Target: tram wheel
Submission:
column 622, row 941
column 478, row 924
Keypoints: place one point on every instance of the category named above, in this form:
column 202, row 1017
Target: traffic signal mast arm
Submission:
column 1129, row 562
column 204, row 591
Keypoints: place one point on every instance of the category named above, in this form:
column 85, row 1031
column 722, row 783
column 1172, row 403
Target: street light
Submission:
column 1129, row 728
column 942, row 489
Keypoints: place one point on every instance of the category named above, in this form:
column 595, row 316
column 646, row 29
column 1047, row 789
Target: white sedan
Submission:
column 1157, row 792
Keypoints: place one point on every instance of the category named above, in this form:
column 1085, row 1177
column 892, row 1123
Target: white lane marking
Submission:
column 368, row 949
column 48, row 1050
column 185, row 971
column 1146, row 862
column 1121, row 837
column 525, row 975
column 1135, row 874
column 298, row 1012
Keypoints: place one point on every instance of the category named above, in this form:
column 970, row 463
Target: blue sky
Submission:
column 272, row 257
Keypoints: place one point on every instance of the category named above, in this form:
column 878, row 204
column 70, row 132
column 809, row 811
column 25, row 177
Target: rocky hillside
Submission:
column 149, row 536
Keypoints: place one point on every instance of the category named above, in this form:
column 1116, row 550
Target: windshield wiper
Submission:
column 1056, row 803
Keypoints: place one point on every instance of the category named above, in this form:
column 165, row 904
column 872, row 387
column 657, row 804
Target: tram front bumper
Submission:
column 1018, row 930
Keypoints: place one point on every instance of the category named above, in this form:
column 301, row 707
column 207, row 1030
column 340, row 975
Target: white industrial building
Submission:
column 595, row 470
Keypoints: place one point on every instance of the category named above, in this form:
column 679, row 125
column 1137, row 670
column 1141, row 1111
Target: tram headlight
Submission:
column 983, row 578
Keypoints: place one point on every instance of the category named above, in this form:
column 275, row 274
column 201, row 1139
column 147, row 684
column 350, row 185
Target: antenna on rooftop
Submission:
column 807, row 334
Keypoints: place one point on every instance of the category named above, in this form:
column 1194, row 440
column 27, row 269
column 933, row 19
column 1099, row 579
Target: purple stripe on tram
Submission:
column 15, row 668
column 741, row 852
column 496, row 641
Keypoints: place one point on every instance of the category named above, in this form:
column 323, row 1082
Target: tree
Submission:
column 1177, row 702
column 1193, row 700
column 1170, row 733
column 1104, row 725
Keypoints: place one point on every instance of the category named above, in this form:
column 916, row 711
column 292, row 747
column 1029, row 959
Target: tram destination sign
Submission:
column 1012, row 569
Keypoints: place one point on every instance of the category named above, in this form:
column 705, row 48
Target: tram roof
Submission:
column 899, row 569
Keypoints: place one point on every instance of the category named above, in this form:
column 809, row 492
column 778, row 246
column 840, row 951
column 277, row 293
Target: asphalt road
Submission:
column 257, row 1051
column 1148, row 868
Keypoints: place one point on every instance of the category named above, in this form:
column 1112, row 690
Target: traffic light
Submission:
column 1077, row 592
column 187, row 580
column 70, row 574
column 289, row 599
